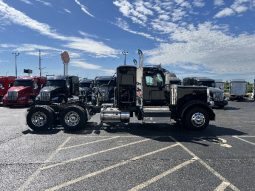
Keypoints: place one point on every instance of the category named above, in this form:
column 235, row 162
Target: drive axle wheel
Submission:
column 73, row 117
column 40, row 117
column 196, row 118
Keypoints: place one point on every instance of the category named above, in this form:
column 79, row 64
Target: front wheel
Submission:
column 196, row 118
column 73, row 117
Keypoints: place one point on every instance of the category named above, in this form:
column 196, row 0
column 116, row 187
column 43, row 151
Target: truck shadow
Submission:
column 231, row 108
column 161, row 132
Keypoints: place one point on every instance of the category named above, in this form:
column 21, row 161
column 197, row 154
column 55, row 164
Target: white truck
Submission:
column 237, row 89
column 219, row 84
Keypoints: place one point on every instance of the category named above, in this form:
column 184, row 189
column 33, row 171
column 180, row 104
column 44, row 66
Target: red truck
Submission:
column 24, row 91
column 5, row 83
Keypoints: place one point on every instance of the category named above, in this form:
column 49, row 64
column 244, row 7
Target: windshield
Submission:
column 207, row 83
column 102, row 82
column 85, row 85
column 26, row 83
column 58, row 83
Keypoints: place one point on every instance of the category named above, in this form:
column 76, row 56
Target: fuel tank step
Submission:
column 156, row 111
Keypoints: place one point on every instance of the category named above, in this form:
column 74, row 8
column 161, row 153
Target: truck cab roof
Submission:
column 237, row 80
column 201, row 79
column 57, row 78
column 104, row 78
column 85, row 80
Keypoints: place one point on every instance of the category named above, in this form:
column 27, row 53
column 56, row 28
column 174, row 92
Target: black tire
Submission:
column 196, row 118
column 40, row 118
column 73, row 117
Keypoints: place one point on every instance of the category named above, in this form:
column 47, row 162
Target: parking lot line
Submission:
column 83, row 144
column 244, row 140
column 206, row 165
column 68, row 183
column 92, row 154
column 222, row 186
column 160, row 176
column 31, row 178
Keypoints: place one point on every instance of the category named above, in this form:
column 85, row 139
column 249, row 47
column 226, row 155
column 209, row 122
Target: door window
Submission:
column 154, row 80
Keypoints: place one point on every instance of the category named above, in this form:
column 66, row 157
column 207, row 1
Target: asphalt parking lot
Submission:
column 134, row 157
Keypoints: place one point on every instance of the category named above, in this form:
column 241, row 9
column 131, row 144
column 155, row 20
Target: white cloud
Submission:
column 206, row 47
column 85, row 65
column 238, row 7
column 199, row 3
column 178, row 14
column 94, row 47
column 88, row 66
column 218, row 2
column 124, row 26
column 45, row 3
column 88, row 45
column 31, row 49
column 34, row 47
column 27, row 2
column 67, row 11
column 83, row 8
column 138, row 12
column 225, row 12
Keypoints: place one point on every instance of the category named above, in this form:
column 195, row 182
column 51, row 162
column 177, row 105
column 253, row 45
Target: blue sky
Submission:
column 213, row 38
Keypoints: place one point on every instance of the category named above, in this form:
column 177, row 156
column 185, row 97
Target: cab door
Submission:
column 153, row 88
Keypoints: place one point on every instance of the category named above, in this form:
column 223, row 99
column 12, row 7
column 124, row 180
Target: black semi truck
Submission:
column 85, row 89
column 58, row 89
column 140, row 91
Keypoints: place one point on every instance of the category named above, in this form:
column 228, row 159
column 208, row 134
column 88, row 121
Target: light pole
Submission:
column 125, row 57
column 40, row 59
column 16, row 54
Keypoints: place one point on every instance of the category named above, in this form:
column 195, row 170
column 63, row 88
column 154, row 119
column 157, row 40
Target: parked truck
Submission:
column 5, row 83
column 85, row 89
column 140, row 91
column 217, row 98
column 58, row 89
column 220, row 84
column 237, row 89
column 24, row 91
column 103, row 90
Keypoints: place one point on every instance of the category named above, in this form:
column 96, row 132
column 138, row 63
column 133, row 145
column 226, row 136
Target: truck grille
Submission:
column 45, row 96
column 218, row 96
column 12, row 95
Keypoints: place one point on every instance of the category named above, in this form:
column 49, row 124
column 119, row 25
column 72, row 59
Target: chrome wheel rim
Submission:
column 39, row 119
column 72, row 118
column 198, row 119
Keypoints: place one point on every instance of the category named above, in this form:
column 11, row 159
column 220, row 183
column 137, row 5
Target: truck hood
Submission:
column 53, row 89
column 20, row 89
